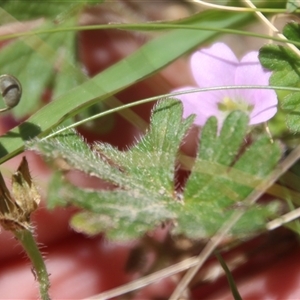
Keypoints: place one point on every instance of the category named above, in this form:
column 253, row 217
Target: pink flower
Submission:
column 218, row 66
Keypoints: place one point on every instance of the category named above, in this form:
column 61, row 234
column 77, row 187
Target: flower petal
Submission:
column 214, row 66
column 263, row 115
column 203, row 104
column 218, row 66
column 250, row 72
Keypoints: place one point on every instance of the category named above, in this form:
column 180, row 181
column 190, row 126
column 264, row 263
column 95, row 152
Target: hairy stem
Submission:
column 28, row 242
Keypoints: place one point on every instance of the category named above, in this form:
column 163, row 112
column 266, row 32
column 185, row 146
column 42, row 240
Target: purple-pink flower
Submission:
column 218, row 66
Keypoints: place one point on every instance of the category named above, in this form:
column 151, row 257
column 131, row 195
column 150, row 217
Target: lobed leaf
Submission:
column 145, row 195
column 221, row 180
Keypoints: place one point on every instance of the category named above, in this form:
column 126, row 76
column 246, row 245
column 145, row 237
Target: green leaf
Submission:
column 291, row 31
column 145, row 195
column 144, row 173
column 157, row 150
column 54, row 196
column 148, row 59
column 285, row 65
column 26, row 10
column 218, row 150
column 218, row 182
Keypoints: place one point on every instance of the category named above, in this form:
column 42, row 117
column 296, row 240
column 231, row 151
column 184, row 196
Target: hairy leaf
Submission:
column 223, row 174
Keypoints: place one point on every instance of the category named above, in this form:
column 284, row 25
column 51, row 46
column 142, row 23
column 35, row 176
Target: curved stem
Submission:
column 28, row 242
column 155, row 98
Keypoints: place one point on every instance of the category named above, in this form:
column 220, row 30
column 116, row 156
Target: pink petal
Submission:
column 203, row 104
column 263, row 115
column 218, row 66
column 250, row 72
column 214, row 66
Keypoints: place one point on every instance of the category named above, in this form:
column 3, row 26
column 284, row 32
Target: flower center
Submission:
column 228, row 105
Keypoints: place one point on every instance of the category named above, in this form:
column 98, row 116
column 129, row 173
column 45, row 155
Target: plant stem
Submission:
column 28, row 242
column 235, row 293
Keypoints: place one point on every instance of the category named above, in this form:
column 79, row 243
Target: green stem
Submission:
column 235, row 293
column 28, row 242
column 147, row 27
column 165, row 96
